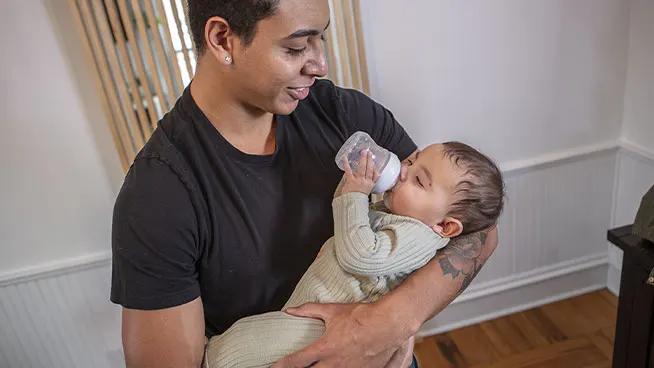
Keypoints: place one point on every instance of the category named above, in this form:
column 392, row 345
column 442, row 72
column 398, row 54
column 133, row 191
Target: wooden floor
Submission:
column 573, row 333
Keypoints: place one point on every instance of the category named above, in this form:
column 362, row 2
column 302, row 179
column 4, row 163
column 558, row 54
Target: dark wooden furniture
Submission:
column 634, row 332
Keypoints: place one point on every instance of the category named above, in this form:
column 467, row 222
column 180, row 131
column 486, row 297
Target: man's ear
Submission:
column 219, row 39
column 448, row 228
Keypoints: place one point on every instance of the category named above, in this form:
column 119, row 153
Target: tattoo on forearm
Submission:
column 464, row 257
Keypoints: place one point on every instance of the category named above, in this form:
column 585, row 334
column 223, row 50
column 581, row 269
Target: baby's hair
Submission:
column 479, row 195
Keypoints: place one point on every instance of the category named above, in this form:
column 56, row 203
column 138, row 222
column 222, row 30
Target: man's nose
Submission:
column 317, row 65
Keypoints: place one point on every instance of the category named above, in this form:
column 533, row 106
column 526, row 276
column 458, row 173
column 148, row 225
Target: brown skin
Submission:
column 172, row 337
column 426, row 189
column 240, row 98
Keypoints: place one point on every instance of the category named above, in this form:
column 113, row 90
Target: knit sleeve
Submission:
column 401, row 245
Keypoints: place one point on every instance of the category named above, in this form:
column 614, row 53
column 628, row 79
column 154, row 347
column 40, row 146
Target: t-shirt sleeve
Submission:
column 154, row 240
column 367, row 115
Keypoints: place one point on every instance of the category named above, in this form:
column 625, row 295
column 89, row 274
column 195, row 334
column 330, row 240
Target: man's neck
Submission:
column 250, row 130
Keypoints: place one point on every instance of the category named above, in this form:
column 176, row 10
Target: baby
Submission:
column 450, row 189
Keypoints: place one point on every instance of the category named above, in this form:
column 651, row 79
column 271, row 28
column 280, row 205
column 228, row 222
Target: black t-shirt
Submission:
column 197, row 217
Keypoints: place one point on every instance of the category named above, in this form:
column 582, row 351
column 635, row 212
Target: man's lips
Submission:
column 299, row 93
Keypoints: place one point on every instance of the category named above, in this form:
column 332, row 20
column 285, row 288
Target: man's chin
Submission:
column 286, row 107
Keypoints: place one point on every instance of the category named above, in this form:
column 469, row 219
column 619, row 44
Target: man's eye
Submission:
column 293, row 51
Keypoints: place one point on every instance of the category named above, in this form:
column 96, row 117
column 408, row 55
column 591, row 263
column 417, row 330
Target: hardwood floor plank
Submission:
column 545, row 325
column 609, row 332
column 569, row 319
column 574, row 353
column 506, row 337
column 575, row 333
column 534, row 335
column 609, row 297
column 596, row 308
column 448, row 349
column 474, row 345
column 429, row 355
column 606, row 364
column 603, row 343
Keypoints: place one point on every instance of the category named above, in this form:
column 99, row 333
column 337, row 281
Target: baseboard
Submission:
column 529, row 295
column 492, row 287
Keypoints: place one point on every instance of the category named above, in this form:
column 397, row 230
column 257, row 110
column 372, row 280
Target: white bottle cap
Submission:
column 389, row 175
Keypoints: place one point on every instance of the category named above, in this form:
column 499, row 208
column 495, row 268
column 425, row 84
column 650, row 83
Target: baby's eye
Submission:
column 419, row 182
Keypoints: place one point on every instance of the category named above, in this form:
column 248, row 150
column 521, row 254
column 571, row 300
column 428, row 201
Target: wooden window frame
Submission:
column 139, row 72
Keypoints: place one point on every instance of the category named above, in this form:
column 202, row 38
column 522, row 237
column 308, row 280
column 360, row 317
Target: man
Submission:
column 230, row 200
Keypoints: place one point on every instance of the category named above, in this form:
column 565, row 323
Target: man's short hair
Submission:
column 242, row 16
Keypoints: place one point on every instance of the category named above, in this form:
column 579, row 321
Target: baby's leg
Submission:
column 261, row 340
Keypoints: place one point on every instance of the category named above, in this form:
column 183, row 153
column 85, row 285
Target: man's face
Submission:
column 285, row 57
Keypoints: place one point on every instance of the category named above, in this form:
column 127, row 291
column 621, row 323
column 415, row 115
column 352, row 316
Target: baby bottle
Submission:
column 387, row 164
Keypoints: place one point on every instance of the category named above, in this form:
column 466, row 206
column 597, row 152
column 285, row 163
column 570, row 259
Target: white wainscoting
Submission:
column 552, row 246
column 60, row 320
column 634, row 177
column 552, row 239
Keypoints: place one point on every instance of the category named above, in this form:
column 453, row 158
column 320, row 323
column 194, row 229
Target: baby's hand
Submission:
column 365, row 177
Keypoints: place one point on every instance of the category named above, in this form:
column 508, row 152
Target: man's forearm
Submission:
column 430, row 289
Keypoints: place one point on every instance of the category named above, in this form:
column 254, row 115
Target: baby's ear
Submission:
column 448, row 228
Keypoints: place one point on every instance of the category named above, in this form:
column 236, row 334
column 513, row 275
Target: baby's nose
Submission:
column 404, row 172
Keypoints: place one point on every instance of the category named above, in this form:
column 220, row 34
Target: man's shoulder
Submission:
column 161, row 160
column 170, row 130
column 173, row 132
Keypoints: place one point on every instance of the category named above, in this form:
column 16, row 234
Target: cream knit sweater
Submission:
column 370, row 254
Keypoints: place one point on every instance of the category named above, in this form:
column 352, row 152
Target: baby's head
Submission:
column 451, row 187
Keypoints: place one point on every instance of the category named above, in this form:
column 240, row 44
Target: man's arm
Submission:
column 172, row 337
column 154, row 278
column 370, row 334
column 449, row 273
column 363, row 334
column 433, row 287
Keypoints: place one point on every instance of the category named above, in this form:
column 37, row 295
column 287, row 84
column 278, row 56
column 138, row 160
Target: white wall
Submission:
column 55, row 194
column 516, row 78
column 58, row 178
column 638, row 119
column 528, row 82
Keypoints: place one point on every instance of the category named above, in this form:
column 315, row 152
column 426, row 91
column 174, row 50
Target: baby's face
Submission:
column 425, row 189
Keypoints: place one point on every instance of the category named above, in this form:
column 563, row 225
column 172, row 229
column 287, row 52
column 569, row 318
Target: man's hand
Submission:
column 367, row 335
column 364, row 178
column 356, row 335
